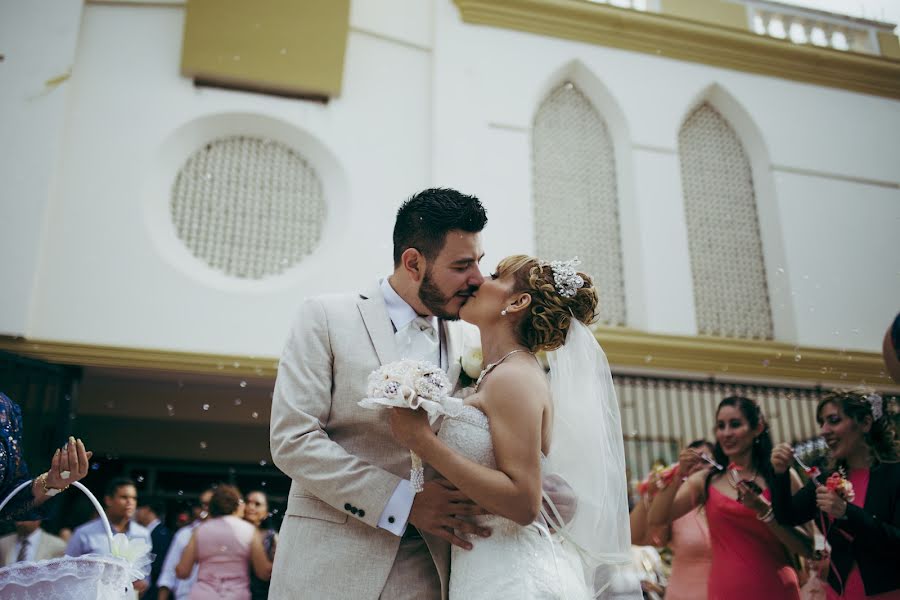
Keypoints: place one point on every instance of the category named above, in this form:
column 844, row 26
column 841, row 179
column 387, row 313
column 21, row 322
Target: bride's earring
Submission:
column 503, row 313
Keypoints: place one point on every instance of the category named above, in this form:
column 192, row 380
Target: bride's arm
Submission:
column 514, row 406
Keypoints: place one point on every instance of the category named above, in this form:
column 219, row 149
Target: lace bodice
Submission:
column 515, row 562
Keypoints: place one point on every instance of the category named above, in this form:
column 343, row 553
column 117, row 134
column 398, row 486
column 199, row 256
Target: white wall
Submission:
column 38, row 42
column 427, row 100
column 848, row 144
column 107, row 275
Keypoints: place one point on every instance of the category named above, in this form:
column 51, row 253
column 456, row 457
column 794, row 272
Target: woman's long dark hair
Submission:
column 761, row 454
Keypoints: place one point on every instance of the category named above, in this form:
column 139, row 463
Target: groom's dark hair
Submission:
column 425, row 218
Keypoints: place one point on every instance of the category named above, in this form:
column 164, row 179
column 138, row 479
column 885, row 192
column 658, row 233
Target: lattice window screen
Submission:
column 729, row 272
column 575, row 194
column 248, row 207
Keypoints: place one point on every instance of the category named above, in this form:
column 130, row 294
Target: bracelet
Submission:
column 49, row 491
column 768, row 516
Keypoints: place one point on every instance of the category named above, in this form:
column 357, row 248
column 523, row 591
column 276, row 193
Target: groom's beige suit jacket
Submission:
column 342, row 459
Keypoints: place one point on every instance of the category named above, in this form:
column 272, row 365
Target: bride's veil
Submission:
column 587, row 451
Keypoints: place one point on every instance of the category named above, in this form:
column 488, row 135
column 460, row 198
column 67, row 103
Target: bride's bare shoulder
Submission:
column 514, row 386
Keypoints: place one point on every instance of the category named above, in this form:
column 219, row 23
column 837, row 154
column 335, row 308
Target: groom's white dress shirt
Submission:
column 415, row 341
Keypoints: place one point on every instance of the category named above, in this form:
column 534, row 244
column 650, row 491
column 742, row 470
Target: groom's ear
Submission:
column 413, row 263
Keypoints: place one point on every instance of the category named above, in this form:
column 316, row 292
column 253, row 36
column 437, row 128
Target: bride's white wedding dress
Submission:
column 515, row 562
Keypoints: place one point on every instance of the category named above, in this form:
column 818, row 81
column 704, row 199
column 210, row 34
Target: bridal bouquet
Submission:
column 416, row 385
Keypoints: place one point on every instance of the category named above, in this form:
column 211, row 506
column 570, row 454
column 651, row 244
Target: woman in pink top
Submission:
column 750, row 550
column 862, row 528
column 224, row 546
column 691, row 549
column 688, row 538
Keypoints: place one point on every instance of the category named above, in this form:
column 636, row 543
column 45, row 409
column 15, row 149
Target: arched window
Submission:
column 729, row 272
column 575, row 194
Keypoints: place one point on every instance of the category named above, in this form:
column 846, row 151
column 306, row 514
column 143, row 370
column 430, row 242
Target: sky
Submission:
column 879, row 10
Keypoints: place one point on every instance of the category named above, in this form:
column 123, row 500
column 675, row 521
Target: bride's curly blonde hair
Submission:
column 547, row 322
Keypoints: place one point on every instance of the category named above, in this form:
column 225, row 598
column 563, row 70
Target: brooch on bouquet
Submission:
column 840, row 485
column 412, row 384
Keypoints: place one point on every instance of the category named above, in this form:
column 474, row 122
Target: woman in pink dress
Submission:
column 862, row 526
column 750, row 550
column 224, row 546
column 687, row 537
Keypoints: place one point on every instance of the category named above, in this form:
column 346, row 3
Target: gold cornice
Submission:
column 139, row 359
column 694, row 355
column 733, row 358
column 688, row 40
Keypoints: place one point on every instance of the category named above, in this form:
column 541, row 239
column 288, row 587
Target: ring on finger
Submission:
column 65, row 474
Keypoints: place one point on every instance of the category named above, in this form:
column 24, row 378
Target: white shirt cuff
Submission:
column 396, row 512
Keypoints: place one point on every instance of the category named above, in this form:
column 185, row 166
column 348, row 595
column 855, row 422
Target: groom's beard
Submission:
column 435, row 300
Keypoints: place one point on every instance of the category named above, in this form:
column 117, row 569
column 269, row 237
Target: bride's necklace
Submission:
column 490, row 367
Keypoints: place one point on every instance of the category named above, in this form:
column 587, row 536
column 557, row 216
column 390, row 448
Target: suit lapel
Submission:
column 378, row 324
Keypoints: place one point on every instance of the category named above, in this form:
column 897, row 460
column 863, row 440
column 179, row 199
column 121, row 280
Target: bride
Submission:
column 518, row 427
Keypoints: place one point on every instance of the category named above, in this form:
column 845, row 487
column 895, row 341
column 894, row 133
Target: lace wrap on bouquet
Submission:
column 587, row 451
column 87, row 577
column 412, row 384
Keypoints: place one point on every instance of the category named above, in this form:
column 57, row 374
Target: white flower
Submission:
column 471, row 361
column 131, row 550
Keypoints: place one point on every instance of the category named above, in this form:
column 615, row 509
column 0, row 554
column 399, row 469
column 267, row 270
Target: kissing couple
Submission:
column 525, row 495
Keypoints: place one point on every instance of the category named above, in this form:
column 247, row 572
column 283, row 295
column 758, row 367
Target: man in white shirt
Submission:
column 29, row 543
column 121, row 502
column 345, row 533
column 167, row 584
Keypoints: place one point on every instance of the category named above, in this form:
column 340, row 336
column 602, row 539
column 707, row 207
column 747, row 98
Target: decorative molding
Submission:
column 683, row 39
column 737, row 358
column 117, row 357
column 697, row 356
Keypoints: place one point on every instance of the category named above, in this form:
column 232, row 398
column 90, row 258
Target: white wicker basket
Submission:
column 88, row 577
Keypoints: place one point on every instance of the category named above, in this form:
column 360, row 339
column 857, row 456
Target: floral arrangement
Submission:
column 415, row 385
column 840, row 485
column 136, row 552
column 657, row 479
column 471, row 361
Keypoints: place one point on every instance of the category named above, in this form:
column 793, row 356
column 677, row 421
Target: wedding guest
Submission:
column 68, row 464
column 121, row 502
column 861, row 521
column 149, row 514
column 256, row 512
column 224, row 546
column 688, row 538
column 29, row 543
column 751, row 552
column 168, row 584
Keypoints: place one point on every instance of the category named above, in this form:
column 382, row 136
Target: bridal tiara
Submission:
column 565, row 278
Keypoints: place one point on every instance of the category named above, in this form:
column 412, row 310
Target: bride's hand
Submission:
column 409, row 426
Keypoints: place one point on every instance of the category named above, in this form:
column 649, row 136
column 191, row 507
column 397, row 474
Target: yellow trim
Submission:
column 714, row 12
column 118, row 357
column 684, row 39
column 706, row 356
column 281, row 46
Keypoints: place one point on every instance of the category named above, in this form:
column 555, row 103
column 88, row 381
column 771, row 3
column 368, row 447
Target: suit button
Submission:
column 347, row 506
column 391, row 519
column 354, row 510
column 362, row 513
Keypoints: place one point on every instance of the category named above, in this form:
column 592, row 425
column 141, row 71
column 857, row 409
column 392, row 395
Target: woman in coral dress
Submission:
column 750, row 550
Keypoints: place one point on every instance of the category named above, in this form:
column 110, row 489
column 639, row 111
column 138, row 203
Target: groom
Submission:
column 353, row 529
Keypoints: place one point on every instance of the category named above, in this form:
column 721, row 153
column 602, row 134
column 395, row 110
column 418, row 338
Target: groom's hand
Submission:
column 437, row 508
